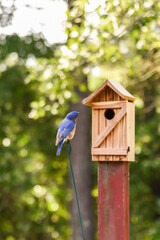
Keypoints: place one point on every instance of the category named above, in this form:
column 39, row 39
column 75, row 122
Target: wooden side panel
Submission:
column 123, row 136
column 116, row 131
column 95, row 130
column 108, row 142
column 113, row 137
column 102, row 123
column 116, row 139
column 131, row 130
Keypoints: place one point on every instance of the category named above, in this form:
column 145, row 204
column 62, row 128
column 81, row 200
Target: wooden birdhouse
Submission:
column 113, row 123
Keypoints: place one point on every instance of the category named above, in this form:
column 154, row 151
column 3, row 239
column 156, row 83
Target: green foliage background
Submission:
column 36, row 84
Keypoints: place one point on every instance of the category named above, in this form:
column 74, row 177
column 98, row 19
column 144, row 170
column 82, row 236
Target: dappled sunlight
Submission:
column 52, row 56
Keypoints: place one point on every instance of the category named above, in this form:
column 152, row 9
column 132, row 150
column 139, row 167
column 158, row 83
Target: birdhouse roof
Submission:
column 115, row 86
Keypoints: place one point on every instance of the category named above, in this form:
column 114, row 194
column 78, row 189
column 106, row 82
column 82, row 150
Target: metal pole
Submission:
column 113, row 201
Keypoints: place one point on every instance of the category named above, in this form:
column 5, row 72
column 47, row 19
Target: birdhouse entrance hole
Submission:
column 109, row 114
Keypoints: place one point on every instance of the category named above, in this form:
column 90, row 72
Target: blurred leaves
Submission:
column 113, row 39
column 32, row 202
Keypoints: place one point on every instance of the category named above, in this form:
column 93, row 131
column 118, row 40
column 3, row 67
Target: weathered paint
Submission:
column 113, row 201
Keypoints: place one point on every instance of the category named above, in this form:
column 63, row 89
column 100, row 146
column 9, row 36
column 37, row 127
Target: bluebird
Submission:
column 66, row 130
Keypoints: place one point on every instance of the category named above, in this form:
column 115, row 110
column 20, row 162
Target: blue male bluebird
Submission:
column 66, row 130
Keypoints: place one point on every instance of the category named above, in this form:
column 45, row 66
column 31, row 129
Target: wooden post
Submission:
column 113, row 201
column 113, row 127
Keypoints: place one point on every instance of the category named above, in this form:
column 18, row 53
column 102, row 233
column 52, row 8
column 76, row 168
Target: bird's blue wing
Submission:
column 59, row 148
column 64, row 129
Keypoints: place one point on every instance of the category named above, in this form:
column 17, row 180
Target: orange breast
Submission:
column 71, row 134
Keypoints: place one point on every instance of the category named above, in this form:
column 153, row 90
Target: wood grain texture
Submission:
column 131, row 130
column 110, row 127
column 109, row 151
column 112, row 98
column 116, row 130
column 109, row 104
column 118, row 133
column 102, row 123
column 95, row 128
column 109, row 137
column 120, row 90
column 114, row 86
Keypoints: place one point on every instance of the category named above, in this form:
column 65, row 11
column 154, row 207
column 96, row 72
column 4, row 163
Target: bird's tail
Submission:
column 59, row 148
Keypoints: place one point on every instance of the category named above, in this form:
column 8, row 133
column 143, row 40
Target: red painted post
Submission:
column 113, row 201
